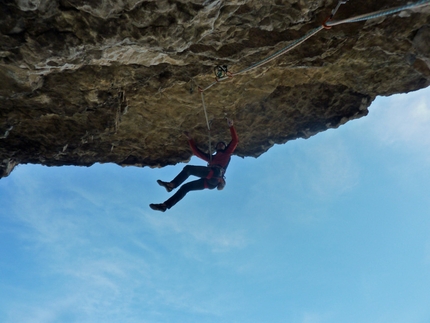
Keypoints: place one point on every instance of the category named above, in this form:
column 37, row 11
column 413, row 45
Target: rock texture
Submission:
column 116, row 81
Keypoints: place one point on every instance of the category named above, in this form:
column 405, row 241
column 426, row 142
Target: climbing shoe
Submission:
column 166, row 185
column 158, row 207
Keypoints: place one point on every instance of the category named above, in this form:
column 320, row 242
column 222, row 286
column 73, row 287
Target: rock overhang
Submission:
column 118, row 82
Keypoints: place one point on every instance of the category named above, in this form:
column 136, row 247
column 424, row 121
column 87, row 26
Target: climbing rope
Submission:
column 207, row 123
column 222, row 74
column 327, row 24
column 204, row 109
column 380, row 13
column 333, row 12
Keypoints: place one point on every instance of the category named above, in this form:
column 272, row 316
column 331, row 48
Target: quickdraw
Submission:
column 221, row 71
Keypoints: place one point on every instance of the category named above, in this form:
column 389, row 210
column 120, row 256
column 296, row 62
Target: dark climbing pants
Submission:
column 200, row 184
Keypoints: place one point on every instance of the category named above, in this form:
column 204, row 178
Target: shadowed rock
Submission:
column 117, row 81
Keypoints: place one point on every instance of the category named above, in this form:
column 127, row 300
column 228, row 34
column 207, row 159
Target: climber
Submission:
column 211, row 176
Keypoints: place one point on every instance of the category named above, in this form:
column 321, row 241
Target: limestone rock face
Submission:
column 117, row 81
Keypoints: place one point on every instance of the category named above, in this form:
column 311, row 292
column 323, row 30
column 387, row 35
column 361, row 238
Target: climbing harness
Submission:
column 327, row 24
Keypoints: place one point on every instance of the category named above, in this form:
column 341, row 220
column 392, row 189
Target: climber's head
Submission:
column 220, row 146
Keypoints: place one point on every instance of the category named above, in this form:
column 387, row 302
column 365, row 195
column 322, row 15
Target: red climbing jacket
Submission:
column 220, row 160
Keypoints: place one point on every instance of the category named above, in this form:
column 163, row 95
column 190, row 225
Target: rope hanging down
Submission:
column 208, row 125
column 328, row 23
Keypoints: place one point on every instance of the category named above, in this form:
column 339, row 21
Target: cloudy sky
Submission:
column 331, row 229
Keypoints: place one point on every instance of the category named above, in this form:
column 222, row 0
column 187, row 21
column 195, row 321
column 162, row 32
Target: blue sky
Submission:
column 335, row 228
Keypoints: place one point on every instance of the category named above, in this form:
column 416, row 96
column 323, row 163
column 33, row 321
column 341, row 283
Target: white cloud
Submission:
column 186, row 301
column 80, row 248
column 198, row 230
column 312, row 317
column 427, row 253
column 327, row 169
column 403, row 121
column 37, row 313
column 104, row 258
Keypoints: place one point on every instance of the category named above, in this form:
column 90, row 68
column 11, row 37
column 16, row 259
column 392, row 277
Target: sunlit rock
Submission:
column 117, row 81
